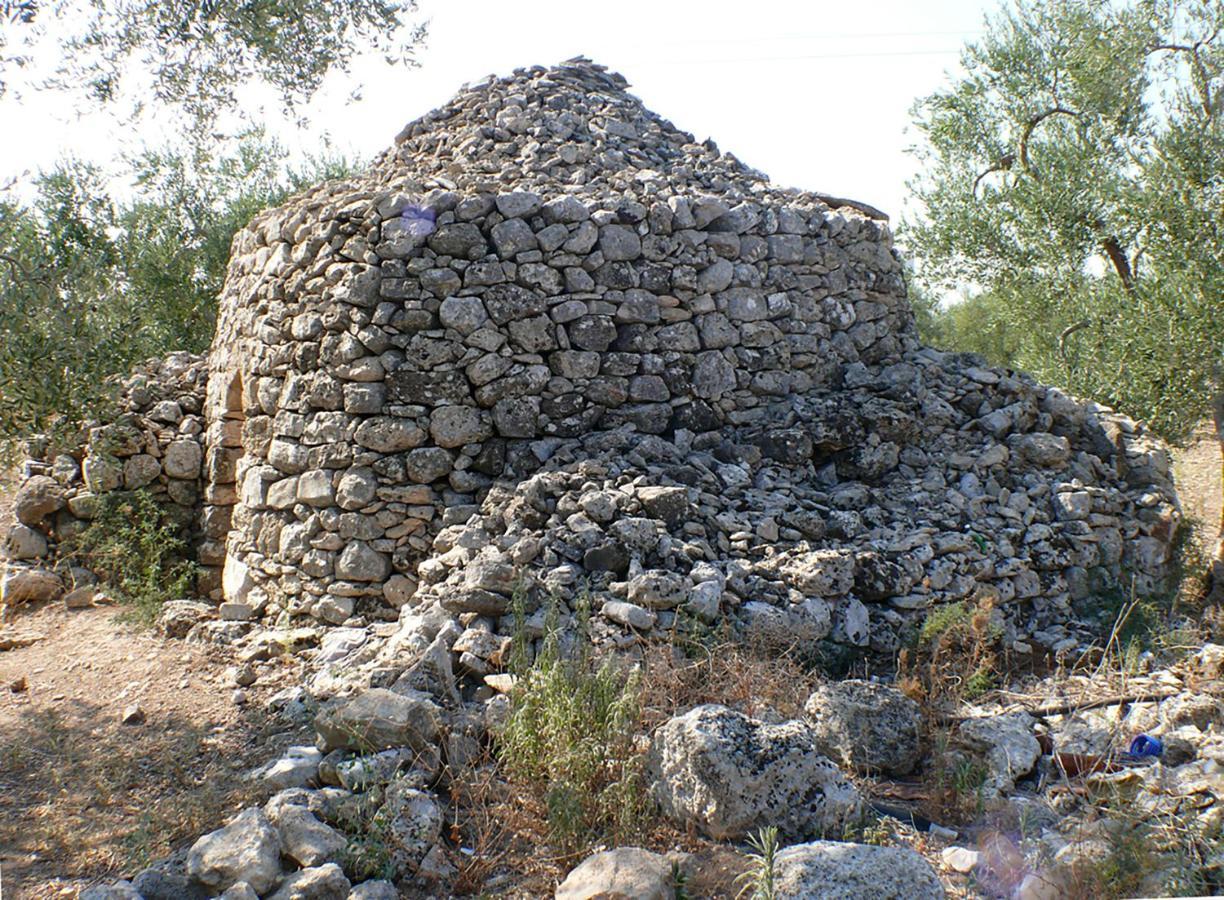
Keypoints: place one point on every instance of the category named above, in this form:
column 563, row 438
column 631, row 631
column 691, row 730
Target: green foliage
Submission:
column 368, row 853
column 197, row 55
column 90, row 285
column 758, row 881
column 570, row 740
column 137, row 549
column 1073, row 176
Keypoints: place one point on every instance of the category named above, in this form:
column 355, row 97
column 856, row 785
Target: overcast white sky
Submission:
column 816, row 94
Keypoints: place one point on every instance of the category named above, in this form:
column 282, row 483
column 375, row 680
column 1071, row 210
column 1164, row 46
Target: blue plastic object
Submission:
column 1146, row 745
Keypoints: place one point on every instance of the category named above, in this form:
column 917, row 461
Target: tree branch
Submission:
column 1003, row 165
column 1032, row 124
column 1066, row 333
column 1121, row 264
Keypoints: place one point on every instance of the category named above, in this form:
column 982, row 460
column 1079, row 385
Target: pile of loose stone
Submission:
column 152, row 441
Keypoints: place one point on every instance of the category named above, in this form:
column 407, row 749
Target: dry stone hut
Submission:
column 549, row 341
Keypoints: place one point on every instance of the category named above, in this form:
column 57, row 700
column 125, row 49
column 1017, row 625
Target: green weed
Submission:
column 132, row 544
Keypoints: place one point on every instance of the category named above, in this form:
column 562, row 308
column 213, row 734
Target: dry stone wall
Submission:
column 152, row 442
column 384, row 392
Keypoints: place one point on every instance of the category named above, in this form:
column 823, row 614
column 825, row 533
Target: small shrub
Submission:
column 954, row 654
column 758, row 882
column 132, row 544
column 570, row 740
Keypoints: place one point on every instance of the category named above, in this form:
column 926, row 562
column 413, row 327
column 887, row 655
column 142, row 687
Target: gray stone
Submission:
column 183, row 459
column 426, row 464
column 318, row 883
column 833, row 870
column 464, row 314
column 1008, row 746
column 868, row 727
column 511, row 237
column 378, row 719
column 23, row 542
column 727, row 774
column 247, row 849
column 37, row 498
column 306, row 840
column 360, row 562
column 618, row 243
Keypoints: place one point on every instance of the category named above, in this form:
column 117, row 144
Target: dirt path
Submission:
column 84, row 797
column 1196, row 469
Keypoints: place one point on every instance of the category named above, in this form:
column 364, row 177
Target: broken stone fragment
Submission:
column 834, row 870
column 248, row 849
column 871, row 728
column 626, row 873
column 378, row 719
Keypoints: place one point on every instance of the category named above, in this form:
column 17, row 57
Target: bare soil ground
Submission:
column 84, row 797
column 1196, row 471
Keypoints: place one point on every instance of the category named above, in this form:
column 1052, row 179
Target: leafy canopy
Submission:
column 197, row 53
column 90, row 285
column 1073, row 177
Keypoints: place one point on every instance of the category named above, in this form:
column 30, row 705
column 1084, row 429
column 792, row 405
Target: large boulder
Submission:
column 729, row 774
column 832, row 870
column 869, row 727
column 247, row 849
column 626, row 873
column 379, row 719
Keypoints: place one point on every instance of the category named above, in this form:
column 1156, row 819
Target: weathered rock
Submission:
column 868, row 727
column 1008, row 746
column 306, row 840
column 727, row 774
column 626, row 873
column 414, row 824
column 23, row 542
column 29, row 585
column 317, row 883
column 378, row 719
column 247, row 849
column 832, row 870
column 37, row 498
column 298, row 766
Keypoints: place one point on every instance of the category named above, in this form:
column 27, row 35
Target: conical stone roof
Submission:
column 572, row 129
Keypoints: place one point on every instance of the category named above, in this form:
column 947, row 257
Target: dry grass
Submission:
column 86, row 800
column 502, row 830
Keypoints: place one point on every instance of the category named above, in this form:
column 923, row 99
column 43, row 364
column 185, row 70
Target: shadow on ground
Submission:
column 84, row 798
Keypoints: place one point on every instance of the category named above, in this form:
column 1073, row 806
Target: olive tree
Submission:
column 197, row 53
column 1073, row 175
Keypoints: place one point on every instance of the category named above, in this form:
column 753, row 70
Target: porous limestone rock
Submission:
column 834, row 870
column 727, row 774
column 869, row 727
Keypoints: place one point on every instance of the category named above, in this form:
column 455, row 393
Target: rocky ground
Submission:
column 1029, row 798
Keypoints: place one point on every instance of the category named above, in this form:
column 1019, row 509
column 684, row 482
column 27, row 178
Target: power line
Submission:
column 825, row 35
column 750, row 59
